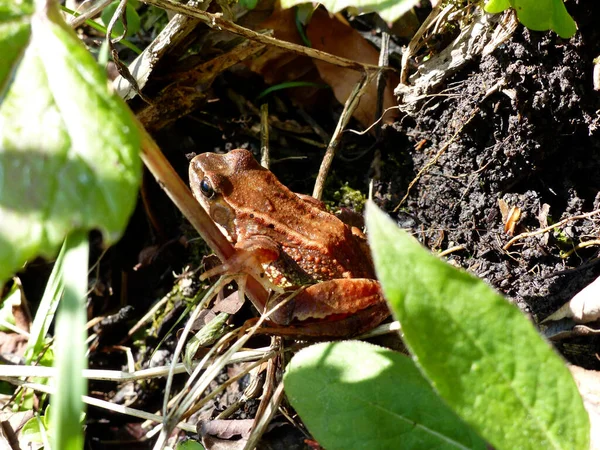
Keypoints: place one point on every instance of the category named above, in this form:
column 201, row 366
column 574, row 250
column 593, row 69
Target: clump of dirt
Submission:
column 532, row 141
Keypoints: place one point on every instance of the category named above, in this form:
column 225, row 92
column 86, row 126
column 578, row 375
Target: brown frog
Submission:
column 286, row 241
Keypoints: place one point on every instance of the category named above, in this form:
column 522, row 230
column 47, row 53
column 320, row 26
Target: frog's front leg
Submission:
column 249, row 257
column 339, row 307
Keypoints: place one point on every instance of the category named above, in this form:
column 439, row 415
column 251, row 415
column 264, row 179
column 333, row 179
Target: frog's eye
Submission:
column 206, row 188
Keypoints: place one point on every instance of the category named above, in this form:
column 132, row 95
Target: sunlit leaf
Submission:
column 538, row 15
column 14, row 34
column 68, row 145
column 354, row 395
column 481, row 354
column 389, row 10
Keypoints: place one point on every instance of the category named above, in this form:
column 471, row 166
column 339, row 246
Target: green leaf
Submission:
column 248, row 4
column 67, row 403
column 389, row 10
column 207, row 335
column 189, row 445
column 31, row 433
column 354, row 395
column 68, row 145
column 12, row 299
column 538, row 15
column 14, row 33
column 133, row 19
column 496, row 6
column 44, row 315
column 481, row 354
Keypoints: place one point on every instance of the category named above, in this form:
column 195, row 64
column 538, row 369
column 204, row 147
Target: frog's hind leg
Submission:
column 339, row 307
column 336, row 297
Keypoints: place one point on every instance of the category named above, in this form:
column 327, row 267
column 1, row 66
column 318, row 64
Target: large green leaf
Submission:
column 538, row 15
column 14, row 33
column 354, row 395
column 481, row 354
column 68, row 146
column 389, row 10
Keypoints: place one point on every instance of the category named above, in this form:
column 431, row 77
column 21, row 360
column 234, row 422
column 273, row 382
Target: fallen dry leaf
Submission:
column 12, row 344
column 227, row 429
column 332, row 35
column 277, row 66
column 510, row 216
column 230, row 304
column 220, row 434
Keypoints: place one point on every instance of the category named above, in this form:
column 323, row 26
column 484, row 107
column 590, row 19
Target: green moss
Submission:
column 351, row 198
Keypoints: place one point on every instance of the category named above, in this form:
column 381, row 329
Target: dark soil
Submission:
column 534, row 142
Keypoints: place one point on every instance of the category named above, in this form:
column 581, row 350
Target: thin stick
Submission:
column 100, row 403
column 276, row 342
column 319, row 131
column 456, row 248
column 180, row 98
column 225, row 384
column 18, row 371
column 384, row 60
column 349, row 108
column 75, row 22
column 385, row 328
column 265, row 159
column 580, row 246
column 549, row 228
column 217, row 21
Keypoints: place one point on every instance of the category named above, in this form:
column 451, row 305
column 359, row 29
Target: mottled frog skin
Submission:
column 289, row 238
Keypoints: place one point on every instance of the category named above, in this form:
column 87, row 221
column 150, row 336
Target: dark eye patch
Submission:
column 206, row 188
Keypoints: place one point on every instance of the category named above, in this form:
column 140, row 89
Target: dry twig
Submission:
column 549, row 228
column 184, row 96
column 77, row 21
column 217, row 21
column 579, row 246
column 349, row 108
column 265, row 159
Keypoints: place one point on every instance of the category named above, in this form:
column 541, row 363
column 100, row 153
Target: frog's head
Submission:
column 218, row 183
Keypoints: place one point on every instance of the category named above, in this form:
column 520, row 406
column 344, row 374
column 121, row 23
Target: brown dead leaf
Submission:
column 12, row 344
column 225, row 434
column 230, row 304
column 212, row 443
column 331, row 35
column 227, row 429
column 510, row 216
column 203, row 319
column 278, row 66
